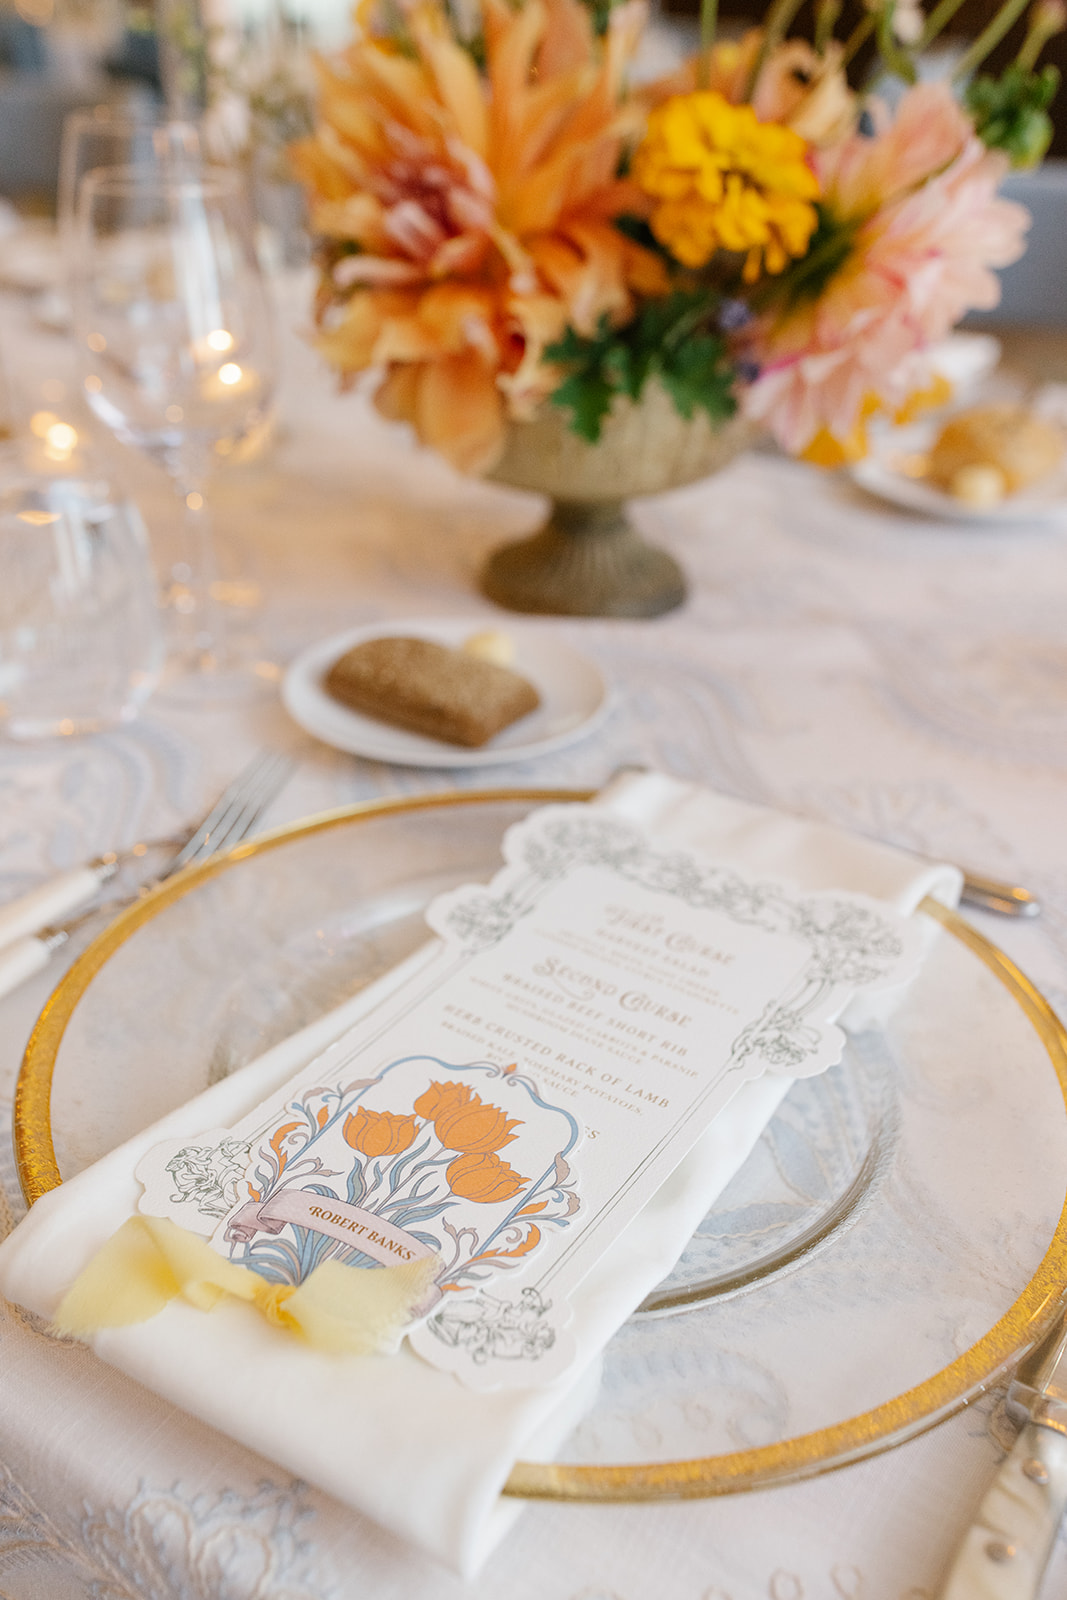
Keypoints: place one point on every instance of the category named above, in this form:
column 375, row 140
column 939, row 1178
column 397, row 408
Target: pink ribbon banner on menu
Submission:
column 375, row 1237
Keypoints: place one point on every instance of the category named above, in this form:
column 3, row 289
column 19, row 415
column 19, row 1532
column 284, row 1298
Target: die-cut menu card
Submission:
column 549, row 1059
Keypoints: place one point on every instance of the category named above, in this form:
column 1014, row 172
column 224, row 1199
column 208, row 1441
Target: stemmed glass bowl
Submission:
column 174, row 333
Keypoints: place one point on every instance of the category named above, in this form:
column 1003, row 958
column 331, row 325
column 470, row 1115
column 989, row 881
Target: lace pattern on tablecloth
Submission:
column 168, row 1542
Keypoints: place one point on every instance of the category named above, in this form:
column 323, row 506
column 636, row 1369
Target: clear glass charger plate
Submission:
column 895, row 1241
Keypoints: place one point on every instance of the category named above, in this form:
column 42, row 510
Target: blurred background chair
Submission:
column 55, row 57
column 1034, row 289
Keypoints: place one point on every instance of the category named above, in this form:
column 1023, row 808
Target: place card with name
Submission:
column 545, row 1065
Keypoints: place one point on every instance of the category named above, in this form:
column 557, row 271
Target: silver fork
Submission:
column 236, row 811
column 231, row 819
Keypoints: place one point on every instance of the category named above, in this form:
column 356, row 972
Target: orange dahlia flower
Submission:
column 483, row 1177
column 379, row 1133
column 468, row 216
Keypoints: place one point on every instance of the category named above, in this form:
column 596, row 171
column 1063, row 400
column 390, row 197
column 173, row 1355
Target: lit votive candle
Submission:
column 229, row 381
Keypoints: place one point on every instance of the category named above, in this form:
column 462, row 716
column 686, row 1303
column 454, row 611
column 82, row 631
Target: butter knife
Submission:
column 1005, row 1551
column 232, row 817
column 65, row 893
column 1008, row 899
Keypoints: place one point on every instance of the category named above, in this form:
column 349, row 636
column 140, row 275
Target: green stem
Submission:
column 779, row 17
column 686, row 325
column 709, row 18
column 938, row 20
column 811, row 273
column 990, row 37
column 1043, row 27
column 894, row 58
column 859, row 36
column 826, row 16
column 1032, row 47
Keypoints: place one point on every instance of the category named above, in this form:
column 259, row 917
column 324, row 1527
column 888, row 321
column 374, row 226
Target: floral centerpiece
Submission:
column 516, row 234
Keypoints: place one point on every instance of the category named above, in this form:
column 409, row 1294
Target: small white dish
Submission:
column 881, row 473
column 30, row 259
column 52, row 311
column 966, row 360
column 574, row 699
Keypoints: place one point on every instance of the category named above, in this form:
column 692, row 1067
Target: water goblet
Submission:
column 80, row 642
column 174, row 333
column 136, row 134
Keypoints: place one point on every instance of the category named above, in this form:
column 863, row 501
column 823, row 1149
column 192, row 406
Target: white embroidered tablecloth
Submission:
column 898, row 677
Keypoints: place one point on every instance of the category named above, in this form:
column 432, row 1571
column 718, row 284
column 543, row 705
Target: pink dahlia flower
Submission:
column 929, row 228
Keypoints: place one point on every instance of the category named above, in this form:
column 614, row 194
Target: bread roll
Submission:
column 429, row 688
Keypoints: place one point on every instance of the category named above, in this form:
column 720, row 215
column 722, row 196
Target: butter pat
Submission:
column 981, row 485
column 492, row 644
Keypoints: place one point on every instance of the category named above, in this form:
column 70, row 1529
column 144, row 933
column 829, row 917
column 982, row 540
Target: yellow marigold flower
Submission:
column 721, row 179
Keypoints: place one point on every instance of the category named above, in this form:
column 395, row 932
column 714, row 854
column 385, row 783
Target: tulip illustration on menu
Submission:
column 462, row 1161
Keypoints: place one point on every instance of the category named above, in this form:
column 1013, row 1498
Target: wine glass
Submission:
column 137, row 134
column 104, row 136
column 173, row 328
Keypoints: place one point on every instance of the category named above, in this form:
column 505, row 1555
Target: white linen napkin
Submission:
column 398, row 1440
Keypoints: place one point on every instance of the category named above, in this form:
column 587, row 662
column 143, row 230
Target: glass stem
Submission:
column 202, row 629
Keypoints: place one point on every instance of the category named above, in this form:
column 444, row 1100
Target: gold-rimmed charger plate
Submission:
column 229, row 957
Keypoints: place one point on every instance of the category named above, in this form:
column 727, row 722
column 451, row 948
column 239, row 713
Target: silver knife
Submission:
column 232, row 817
column 1005, row 1551
column 69, row 890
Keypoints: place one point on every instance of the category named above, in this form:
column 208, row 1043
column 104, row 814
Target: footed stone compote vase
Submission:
column 587, row 559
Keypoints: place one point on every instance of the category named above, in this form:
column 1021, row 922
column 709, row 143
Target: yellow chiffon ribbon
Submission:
column 151, row 1260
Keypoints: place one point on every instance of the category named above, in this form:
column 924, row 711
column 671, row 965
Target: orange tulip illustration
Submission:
column 462, row 1120
column 474, row 1126
column 479, row 1175
column 379, row 1133
column 438, row 1096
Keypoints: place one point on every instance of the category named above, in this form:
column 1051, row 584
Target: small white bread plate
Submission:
column 1044, row 503
column 882, row 473
column 574, row 698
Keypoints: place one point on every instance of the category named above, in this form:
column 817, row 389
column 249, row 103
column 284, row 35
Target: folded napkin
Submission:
column 399, row 1440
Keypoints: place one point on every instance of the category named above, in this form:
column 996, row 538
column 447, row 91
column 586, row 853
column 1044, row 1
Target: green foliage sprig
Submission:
column 674, row 339
column 1011, row 112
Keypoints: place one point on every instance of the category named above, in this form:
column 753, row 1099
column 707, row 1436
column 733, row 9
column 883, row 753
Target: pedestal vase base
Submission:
column 586, row 561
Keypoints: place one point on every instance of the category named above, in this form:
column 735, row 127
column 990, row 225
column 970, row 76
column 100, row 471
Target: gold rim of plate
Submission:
column 904, row 1416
